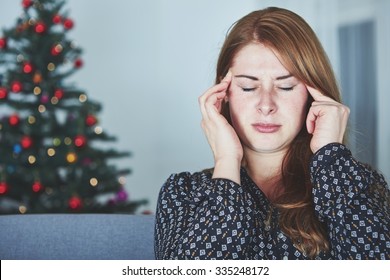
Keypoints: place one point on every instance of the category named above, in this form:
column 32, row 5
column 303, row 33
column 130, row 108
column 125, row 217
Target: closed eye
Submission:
column 286, row 88
column 248, row 89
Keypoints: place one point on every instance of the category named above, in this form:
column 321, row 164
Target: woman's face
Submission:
column 267, row 104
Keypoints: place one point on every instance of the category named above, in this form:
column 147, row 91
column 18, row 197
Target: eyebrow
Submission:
column 284, row 77
column 256, row 79
column 248, row 77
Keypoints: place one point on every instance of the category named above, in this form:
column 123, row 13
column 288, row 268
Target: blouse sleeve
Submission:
column 354, row 202
column 201, row 218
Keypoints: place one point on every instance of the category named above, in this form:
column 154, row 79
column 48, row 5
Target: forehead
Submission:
column 258, row 59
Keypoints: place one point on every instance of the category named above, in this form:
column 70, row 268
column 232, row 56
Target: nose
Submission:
column 266, row 103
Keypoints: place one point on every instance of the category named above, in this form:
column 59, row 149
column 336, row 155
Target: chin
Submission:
column 269, row 149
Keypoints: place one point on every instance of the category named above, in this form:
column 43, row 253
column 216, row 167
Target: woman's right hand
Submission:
column 221, row 136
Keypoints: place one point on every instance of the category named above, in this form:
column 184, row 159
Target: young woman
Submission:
column 284, row 186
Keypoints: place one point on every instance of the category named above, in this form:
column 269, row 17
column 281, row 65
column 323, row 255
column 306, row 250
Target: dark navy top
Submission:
column 202, row 218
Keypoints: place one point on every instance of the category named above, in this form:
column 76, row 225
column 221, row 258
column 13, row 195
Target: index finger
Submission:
column 315, row 93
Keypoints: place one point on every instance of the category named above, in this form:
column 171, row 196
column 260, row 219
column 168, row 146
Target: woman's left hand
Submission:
column 327, row 120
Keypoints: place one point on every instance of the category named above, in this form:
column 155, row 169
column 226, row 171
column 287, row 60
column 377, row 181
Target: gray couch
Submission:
column 76, row 237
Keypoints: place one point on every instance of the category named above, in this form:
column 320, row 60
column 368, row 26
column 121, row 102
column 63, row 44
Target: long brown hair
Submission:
column 301, row 53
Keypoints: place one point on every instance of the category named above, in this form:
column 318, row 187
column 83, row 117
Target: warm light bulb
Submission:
column 83, row 98
column 67, row 141
column 51, row 152
column 41, row 108
column 93, row 182
column 20, row 58
column 71, row 157
column 37, row 90
column 31, row 119
column 22, row 209
column 58, row 48
column 54, row 100
column 98, row 130
column 32, row 159
column 51, row 66
column 122, row 180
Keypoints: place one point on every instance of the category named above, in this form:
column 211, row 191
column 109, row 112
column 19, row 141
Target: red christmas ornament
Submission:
column 26, row 142
column 80, row 141
column 59, row 93
column 90, row 120
column 27, row 67
column 14, row 120
column 3, row 43
column 56, row 50
column 68, row 23
column 78, row 63
column 75, row 203
column 57, row 19
column 3, row 93
column 3, row 188
column 16, row 86
column 37, row 187
column 40, row 27
column 27, row 3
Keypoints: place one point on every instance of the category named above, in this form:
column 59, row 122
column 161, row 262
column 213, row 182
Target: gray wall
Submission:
column 147, row 61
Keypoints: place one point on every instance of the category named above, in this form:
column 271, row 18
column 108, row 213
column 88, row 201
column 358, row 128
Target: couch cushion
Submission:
column 77, row 236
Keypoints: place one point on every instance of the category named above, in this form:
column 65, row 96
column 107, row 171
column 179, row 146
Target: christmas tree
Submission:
column 50, row 157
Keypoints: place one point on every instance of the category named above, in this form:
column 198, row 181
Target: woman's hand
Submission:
column 221, row 136
column 326, row 120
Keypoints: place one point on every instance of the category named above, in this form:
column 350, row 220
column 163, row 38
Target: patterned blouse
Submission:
column 202, row 218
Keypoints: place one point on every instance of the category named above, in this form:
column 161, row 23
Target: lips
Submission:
column 266, row 127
